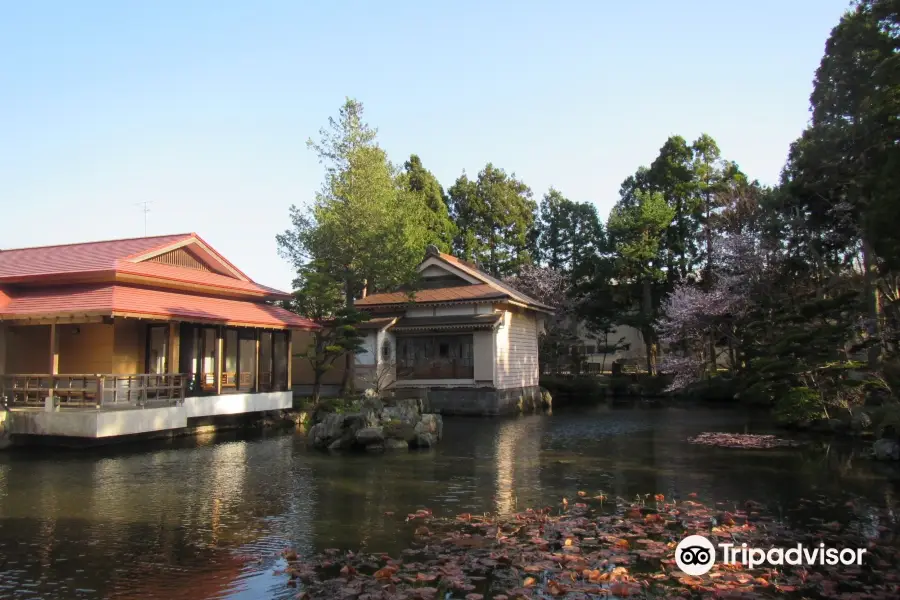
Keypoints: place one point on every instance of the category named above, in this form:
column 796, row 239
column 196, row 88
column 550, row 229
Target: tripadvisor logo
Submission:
column 695, row 555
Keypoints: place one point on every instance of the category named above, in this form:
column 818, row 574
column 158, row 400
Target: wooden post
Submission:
column 172, row 358
column 256, row 363
column 50, row 403
column 2, row 349
column 100, row 389
column 290, row 358
column 219, row 342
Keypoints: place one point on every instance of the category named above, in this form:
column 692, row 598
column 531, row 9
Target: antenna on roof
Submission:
column 146, row 208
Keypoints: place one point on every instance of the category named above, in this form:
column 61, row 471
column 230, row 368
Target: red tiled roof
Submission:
column 168, row 272
column 78, row 258
column 447, row 294
column 113, row 300
column 107, row 259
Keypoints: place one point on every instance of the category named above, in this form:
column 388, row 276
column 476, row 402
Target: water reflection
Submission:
column 204, row 518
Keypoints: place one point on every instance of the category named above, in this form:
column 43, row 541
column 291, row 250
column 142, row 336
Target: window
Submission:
column 386, row 350
column 280, row 359
column 590, row 349
column 210, row 340
column 157, row 349
column 435, row 357
column 265, row 360
column 247, row 359
column 230, row 358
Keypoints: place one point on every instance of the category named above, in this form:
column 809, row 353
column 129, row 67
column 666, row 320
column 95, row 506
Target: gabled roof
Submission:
column 130, row 301
column 130, row 260
column 481, row 286
column 473, row 271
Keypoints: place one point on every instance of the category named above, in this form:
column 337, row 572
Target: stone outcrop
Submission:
column 378, row 426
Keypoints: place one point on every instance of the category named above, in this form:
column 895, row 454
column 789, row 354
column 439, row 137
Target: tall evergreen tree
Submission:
column 494, row 216
column 363, row 229
column 418, row 180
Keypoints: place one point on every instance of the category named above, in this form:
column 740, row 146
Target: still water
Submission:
column 204, row 517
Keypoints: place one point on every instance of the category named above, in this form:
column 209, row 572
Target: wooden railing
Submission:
column 457, row 368
column 246, row 379
column 96, row 391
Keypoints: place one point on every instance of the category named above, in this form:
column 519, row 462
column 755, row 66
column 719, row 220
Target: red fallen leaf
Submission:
column 623, row 544
column 568, row 542
column 582, row 494
column 385, row 573
column 464, row 517
column 501, row 597
column 786, row 588
column 633, row 513
column 659, row 497
column 653, row 518
column 290, row 555
column 624, row 589
column 425, row 577
column 580, row 505
column 348, row 571
column 555, row 588
column 389, row 513
column 692, row 495
column 529, row 582
column 595, row 576
column 475, row 597
column 423, row 531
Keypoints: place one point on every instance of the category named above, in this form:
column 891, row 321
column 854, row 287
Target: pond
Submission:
column 206, row 517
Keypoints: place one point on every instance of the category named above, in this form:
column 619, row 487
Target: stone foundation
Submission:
column 483, row 401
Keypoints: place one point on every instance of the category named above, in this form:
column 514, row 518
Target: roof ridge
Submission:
column 128, row 239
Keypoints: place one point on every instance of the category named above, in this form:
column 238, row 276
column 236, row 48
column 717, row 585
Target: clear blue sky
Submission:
column 204, row 107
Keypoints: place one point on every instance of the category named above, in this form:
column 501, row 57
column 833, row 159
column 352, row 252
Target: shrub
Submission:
column 799, row 405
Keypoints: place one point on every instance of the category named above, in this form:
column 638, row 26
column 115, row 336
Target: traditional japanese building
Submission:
column 123, row 337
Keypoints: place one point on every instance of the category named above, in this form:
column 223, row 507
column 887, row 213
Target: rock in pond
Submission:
column 885, row 449
column 394, row 444
column 378, row 425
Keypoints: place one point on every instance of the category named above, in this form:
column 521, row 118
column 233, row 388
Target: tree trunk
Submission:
column 317, row 386
column 649, row 341
column 873, row 299
column 349, row 380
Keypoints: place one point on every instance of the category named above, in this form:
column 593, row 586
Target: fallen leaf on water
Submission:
column 556, row 588
column 529, row 582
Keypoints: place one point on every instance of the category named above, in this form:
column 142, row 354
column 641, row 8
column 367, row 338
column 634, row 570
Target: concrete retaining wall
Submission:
column 97, row 424
column 234, row 404
column 481, row 401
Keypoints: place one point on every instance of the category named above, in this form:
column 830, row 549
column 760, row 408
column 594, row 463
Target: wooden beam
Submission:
column 290, row 357
column 172, row 365
column 54, row 349
column 3, row 349
column 50, row 319
column 219, row 341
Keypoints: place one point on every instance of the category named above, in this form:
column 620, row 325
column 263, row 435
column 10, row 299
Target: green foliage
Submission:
column 320, row 297
column 567, row 234
column 363, row 228
column 418, row 180
column 798, row 405
column 494, row 216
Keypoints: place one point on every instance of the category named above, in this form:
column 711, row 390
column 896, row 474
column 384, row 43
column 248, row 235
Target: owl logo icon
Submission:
column 695, row 555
